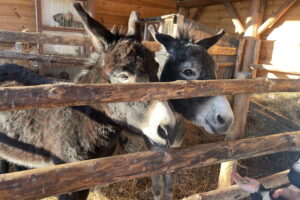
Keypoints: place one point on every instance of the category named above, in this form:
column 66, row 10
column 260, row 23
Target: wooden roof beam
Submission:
column 276, row 16
column 196, row 3
column 236, row 20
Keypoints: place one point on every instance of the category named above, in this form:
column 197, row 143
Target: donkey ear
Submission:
column 101, row 36
column 208, row 42
column 134, row 26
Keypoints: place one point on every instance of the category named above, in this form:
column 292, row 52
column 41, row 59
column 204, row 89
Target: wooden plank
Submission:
column 44, row 58
column 61, row 29
column 283, row 124
column 238, row 63
column 43, row 182
column 228, row 51
column 196, row 14
column 271, row 68
column 276, row 16
column 195, row 3
column 11, row 36
column 43, row 38
column 58, row 95
column 235, row 193
column 236, row 20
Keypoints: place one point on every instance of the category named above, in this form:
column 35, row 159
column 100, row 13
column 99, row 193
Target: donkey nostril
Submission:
column 162, row 132
column 220, row 119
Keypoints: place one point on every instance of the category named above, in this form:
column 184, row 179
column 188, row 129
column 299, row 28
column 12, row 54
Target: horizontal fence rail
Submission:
column 44, row 58
column 234, row 192
column 58, row 95
column 43, row 38
column 43, row 182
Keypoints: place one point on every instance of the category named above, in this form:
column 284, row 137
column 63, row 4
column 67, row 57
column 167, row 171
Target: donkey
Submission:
column 43, row 137
column 184, row 59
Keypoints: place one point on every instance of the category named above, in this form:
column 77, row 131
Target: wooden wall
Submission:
column 110, row 12
column 17, row 14
column 280, row 46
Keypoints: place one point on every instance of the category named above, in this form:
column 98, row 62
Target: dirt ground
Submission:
column 192, row 181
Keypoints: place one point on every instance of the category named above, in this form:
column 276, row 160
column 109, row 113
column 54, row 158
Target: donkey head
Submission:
column 122, row 59
column 188, row 60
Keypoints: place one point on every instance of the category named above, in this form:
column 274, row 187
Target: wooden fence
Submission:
column 38, row 183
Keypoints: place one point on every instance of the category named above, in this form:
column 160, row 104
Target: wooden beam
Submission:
column 276, row 16
column 12, row 36
column 239, row 59
column 44, row 58
column 241, row 101
column 235, row 193
column 271, row 68
column 195, row 3
column 183, row 11
column 196, row 14
column 57, row 95
column 280, row 123
column 226, row 51
column 236, row 20
column 43, row 182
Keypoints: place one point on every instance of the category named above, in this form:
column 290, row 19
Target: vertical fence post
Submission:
column 241, row 102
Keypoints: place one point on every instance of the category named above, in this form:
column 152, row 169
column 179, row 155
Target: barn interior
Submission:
column 262, row 41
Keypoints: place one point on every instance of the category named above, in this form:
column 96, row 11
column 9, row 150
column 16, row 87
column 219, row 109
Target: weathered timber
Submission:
column 276, row 16
column 195, row 3
column 196, row 14
column 271, row 68
column 241, row 101
column 236, row 20
column 49, row 96
column 218, row 50
column 225, row 64
column 43, row 182
column 240, row 111
column 44, row 58
column 239, row 59
column 43, row 38
column 234, row 192
column 183, row 11
column 281, row 123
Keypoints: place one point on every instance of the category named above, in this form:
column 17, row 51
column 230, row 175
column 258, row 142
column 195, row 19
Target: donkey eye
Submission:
column 188, row 72
column 123, row 76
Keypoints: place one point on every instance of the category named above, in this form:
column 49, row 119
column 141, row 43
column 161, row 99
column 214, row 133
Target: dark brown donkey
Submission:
column 43, row 137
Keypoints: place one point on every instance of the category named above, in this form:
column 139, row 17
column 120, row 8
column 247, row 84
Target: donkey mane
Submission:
column 185, row 35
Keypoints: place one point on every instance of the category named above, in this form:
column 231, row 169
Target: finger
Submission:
column 277, row 193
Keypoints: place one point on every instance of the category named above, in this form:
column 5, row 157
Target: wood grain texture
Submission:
column 43, row 182
column 43, row 38
column 236, row 20
column 195, row 3
column 234, row 192
column 276, row 16
column 44, row 58
column 49, row 96
column 17, row 14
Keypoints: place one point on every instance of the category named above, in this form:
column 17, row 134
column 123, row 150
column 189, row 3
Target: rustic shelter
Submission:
column 261, row 49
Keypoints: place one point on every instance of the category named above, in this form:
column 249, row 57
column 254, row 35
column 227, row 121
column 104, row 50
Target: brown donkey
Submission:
column 43, row 137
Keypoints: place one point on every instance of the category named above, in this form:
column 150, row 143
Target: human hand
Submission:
column 287, row 193
column 248, row 184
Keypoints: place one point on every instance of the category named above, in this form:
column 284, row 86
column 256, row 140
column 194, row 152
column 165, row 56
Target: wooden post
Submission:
column 183, row 11
column 241, row 102
column 196, row 14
